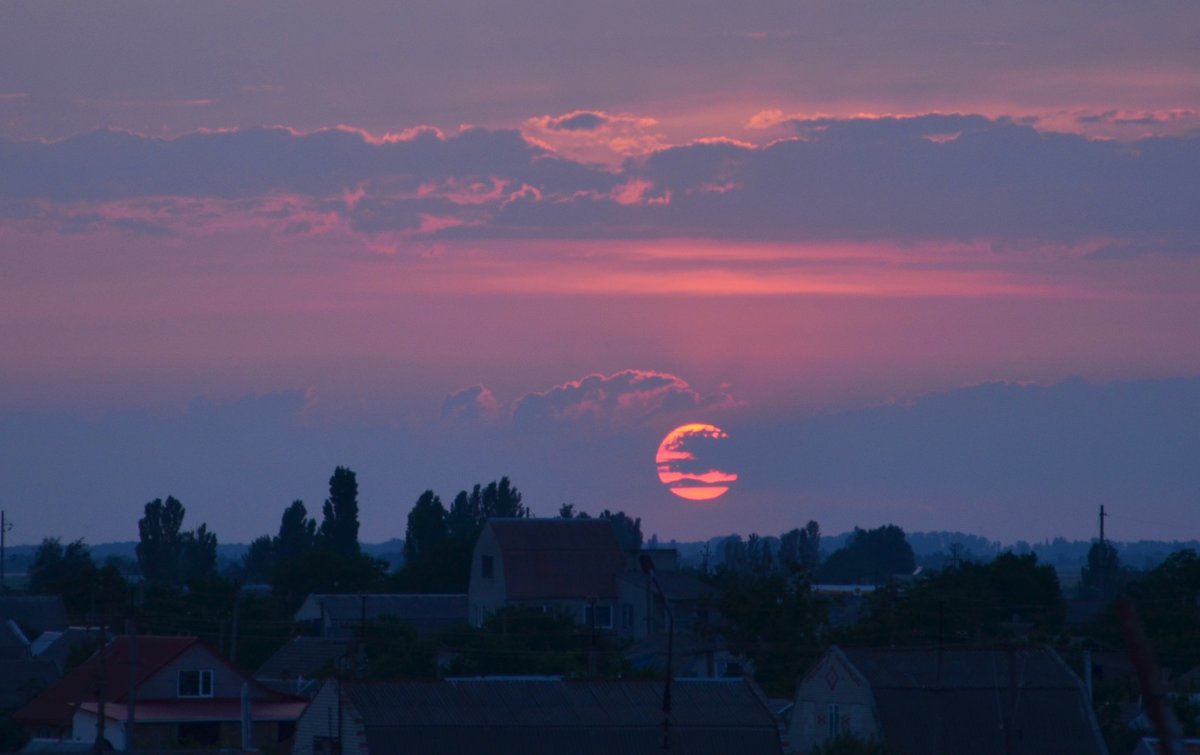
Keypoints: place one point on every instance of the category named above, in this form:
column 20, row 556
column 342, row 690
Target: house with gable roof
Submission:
column 1015, row 700
column 567, row 565
column 184, row 694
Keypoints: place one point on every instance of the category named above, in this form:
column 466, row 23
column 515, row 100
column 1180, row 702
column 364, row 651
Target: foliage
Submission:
column 769, row 616
column 443, row 553
column 802, row 547
column 870, row 557
column 1101, row 579
column 258, row 564
column 88, row 591
column 968, row 602
column 396, row 651
column 339, row 523
column 627, row 529
column 166, row 553
column 1167, row 598
column 518, row 640
column 12, row 734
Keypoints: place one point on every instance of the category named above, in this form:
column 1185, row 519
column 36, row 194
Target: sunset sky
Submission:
column 932, row 263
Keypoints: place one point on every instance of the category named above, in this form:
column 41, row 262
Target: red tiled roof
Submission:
column 558, row 558
column 107, row 670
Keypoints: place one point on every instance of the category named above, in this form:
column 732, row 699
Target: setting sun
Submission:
column 686, row 462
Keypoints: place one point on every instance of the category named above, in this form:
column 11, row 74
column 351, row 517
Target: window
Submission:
column 603, row 616
column 627, row 616
column 195, row 683
column 835, row 724
column 486, row 566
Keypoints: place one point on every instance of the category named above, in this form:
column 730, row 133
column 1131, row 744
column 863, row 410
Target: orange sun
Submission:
column 685, row 465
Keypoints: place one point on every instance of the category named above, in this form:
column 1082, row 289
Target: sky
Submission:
column 932, row 263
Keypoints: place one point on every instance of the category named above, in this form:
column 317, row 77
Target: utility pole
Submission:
column 1102, row 515
column 5, row 526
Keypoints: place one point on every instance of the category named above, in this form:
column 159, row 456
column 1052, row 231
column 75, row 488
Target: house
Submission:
column 979, row 701
column 567, row 565
column 185, row 695
column 531, row 716
column 339, row 616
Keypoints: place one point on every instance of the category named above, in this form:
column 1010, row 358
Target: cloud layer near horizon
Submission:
column 917, row 178
column 1005, row 460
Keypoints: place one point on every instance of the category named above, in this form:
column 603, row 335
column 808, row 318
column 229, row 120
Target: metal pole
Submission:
column 647, row 565
column 5, row 526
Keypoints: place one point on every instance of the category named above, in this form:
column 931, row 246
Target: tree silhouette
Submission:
column 339, row 524
column 870, row 556
column 166, row 554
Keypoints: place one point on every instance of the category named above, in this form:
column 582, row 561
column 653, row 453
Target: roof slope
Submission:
column 963, row 702
column 303, row 656
column 107, row 670
column 558, row 558
column 554, row 716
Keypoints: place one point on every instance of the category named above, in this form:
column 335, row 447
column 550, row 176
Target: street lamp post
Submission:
column 647, row 565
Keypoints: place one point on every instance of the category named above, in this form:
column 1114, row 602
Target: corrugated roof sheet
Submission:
column 556, row 716
column 963, row 704
column 559, row 558
column 303, row 656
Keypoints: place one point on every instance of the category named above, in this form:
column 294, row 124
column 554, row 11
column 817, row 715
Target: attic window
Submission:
column 196, row 683
column 486, row 566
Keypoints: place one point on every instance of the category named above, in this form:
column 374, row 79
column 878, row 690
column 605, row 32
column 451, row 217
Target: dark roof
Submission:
column 22, row 679
column 426, row 613
column 558, row 558
column 962, row 703
column 555, row 716
column 302, row 656
column 57, row 646
column 34, row 613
